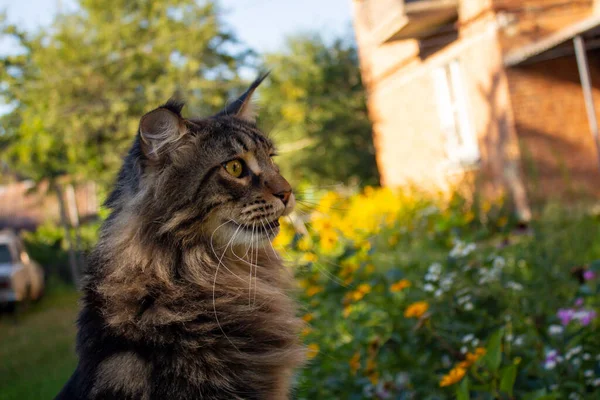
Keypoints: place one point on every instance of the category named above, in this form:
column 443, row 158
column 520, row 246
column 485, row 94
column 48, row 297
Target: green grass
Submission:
column 37, row 347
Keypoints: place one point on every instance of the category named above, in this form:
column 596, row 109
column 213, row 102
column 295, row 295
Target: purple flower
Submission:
column 585, row 317
column 565, row 315
column 551, row 360
column 579, row 302
column 589, row 275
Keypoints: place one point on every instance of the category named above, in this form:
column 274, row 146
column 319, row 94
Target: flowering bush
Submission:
column 409, row 296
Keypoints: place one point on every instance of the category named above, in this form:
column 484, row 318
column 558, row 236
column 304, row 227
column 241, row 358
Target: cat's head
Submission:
column 211, row 179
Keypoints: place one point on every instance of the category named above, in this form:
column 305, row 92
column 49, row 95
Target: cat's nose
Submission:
column 284, row 196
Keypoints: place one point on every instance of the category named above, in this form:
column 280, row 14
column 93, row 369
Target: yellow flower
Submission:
column 400, row 285
column 374, row 377
column 471, row 358
column 364, row 288
column 454, row 376
column 416, row 310
column 328, row 240
column 480, row 352
column 357, row 294
column 354, row 363
column 308, row 317
column 311, row 291
column 369, row 269
column 304, row 243
column 312, row 351
column 486, row 206
column 303, row 283
column 502, row 221
column 370, row 371
column 469, row 216
column 347, row 311
column 306, row 331
column 309, row 257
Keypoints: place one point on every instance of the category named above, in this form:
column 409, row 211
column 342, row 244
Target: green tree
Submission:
column 314, row 105
column 78, row 89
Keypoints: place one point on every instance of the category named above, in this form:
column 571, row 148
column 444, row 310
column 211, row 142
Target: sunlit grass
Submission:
column 37, row 347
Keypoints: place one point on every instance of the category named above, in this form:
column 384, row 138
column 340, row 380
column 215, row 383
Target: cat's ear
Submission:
column 243, row 107
column 161, row 127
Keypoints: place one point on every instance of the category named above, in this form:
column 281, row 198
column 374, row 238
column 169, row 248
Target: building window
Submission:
column 461, row 143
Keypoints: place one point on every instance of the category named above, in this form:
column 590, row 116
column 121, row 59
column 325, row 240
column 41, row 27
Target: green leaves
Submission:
column 462, row 390
column 315, row 105
column 507, row 379
column 81, row 87
column 493, row 355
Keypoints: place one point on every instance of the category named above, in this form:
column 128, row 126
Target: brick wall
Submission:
column 558, row 152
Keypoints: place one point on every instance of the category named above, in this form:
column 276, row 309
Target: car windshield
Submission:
column 5, row 256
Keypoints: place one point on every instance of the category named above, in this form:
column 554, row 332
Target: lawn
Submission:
column 37, row 347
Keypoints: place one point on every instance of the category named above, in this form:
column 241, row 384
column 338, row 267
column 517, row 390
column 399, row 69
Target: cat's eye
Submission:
column 234, row 168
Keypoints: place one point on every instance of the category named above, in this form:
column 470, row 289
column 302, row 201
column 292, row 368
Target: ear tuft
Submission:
column 242, row 107
column 175, row 105
column 160, row 128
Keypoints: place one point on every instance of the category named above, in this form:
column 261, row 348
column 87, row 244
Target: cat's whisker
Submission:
column 265, row 229
column 256, row 271
column 214, row 301
column 250, row 263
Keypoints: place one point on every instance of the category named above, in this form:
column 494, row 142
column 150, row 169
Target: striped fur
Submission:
column 185, row 297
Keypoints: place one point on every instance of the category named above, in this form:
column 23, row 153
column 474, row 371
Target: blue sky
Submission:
column 262, row 24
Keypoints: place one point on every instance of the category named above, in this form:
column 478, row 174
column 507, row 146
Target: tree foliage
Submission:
column 78, row 89
column 315, row 107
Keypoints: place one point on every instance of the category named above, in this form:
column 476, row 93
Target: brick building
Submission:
column 490, row 88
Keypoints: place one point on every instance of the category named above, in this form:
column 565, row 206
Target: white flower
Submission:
column 587, row 356
column 464, row 350
column 435, row 268
column 588, row 373
column 574, row 351
column 596, row 382
column 429, row 287
column 438, row 293
column 555, row 329
column 461, row 249
column 574, row 396
column 509, row 337
column 576, row 362
column 519, row 341
column 469, row 307
column 550, row 364
column 499, row 262
column 514, row 286
column 468, row 338
column 431, row 277
column 475, row 342
column 463, row 300
column 446, row 283
column 469, row 249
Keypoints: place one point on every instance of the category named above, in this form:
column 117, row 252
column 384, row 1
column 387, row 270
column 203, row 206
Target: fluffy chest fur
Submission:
column 187, row 326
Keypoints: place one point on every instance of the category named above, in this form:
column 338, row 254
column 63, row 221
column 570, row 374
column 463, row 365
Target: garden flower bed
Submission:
column 408, row 296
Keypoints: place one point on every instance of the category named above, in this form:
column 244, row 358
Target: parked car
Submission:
column 21, row 278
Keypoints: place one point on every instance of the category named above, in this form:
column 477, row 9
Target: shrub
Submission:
column 413, row 296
